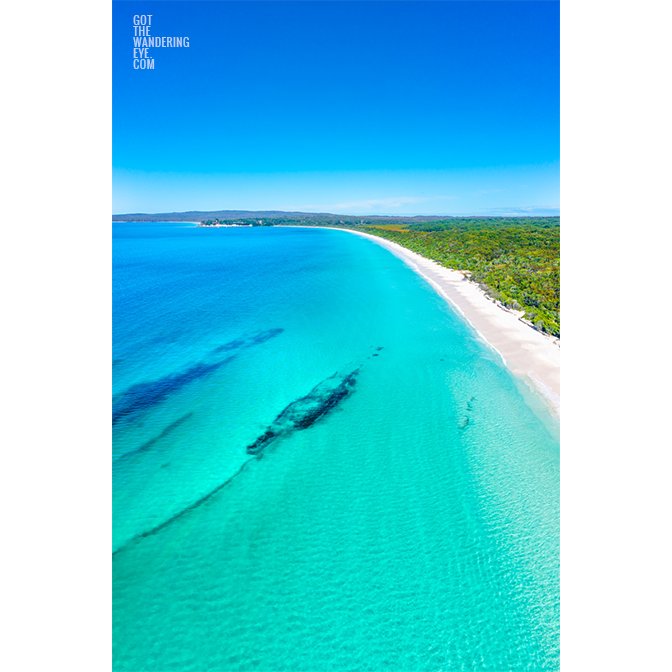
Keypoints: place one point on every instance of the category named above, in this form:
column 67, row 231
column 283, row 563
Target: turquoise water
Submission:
column 318, row 466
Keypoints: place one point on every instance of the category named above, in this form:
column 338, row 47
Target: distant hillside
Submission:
column 203, row 215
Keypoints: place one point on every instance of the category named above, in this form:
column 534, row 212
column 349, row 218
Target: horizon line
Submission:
column 518, row 212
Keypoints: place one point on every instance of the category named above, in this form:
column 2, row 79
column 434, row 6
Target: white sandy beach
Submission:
column 529, row 354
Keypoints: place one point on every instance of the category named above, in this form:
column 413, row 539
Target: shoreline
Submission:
column 530, row 355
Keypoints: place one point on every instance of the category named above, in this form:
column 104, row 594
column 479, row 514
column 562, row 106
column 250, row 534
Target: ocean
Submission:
column 318, row 465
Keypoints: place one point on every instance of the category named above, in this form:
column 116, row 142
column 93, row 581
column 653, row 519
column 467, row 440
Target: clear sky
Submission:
column 345, row 107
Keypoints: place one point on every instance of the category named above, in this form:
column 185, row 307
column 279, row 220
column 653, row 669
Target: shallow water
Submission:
column 318, row 466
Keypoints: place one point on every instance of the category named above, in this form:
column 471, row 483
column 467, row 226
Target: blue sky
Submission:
column 347, row 107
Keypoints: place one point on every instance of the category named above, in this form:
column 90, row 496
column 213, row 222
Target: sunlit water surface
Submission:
column 318, row 465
